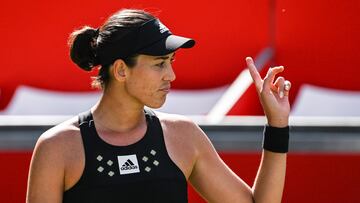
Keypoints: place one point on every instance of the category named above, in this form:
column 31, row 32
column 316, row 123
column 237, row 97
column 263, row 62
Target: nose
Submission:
column 170, row 74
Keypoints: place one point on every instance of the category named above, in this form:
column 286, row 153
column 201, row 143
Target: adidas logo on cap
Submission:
column 162, row 28
column 128, row 164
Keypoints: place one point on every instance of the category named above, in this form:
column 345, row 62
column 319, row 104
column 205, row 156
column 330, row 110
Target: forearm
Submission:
column 269, row 183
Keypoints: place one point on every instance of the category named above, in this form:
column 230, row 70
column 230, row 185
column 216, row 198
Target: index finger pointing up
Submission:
column 253, row 72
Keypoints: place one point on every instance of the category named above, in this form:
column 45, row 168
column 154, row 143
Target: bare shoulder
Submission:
column 179, row 123
column 63, row 132
column 59, row 140
column 184, row 130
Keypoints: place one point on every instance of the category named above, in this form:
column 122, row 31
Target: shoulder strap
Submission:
column 86, row 123
column 84, row 118
column 149, row 111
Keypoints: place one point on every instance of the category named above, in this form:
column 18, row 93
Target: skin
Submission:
column 58, row 157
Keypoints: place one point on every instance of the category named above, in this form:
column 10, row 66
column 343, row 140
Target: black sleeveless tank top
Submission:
column 140, row 172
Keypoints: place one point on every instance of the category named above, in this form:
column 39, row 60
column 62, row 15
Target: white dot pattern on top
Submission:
column 150, row 160
column 109, row 162
column 105, row 168
column 100, row 169
column 145, row 158
column 156, row 163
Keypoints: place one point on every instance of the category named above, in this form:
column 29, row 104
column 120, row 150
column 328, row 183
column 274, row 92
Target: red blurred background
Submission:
column 317, row 41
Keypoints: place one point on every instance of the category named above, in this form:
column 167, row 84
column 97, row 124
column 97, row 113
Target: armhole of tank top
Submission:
column 163, row 143
column 83, row 125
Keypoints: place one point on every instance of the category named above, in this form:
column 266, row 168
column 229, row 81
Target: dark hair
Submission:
column 86, row 42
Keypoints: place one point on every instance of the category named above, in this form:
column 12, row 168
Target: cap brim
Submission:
column 167, row 45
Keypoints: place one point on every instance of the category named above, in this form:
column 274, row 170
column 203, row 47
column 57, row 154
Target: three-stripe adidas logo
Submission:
column 128, row 164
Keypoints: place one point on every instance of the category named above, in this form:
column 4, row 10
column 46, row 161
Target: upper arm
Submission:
column 212, row 178
column 46, row 175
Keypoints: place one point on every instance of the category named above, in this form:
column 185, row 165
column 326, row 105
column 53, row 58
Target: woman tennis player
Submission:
column 120, row 151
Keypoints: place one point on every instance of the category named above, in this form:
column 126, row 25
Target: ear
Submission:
column 118, row 70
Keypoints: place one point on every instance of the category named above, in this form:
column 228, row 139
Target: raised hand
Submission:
column 273, row 95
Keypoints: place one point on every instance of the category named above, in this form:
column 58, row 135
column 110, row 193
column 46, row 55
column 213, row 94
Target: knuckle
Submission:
column 281, row 79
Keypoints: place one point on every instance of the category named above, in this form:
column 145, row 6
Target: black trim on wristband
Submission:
column 276, row 139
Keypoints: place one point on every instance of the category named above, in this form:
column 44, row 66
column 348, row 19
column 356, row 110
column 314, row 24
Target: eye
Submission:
column 161, row 65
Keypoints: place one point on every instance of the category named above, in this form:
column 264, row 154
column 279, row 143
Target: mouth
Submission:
column 165, row 89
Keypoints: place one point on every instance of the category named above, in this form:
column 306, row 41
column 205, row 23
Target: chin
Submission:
column 155, row 104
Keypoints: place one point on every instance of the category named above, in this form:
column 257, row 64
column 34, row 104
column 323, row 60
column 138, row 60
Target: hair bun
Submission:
column 82, row 47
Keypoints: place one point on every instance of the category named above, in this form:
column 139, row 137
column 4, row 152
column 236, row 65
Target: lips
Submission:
column 166, row 88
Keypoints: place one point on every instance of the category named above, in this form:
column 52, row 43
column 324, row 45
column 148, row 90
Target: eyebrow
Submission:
column 164, row 57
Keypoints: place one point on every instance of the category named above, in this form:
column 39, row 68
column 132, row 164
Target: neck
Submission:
column 118, row 112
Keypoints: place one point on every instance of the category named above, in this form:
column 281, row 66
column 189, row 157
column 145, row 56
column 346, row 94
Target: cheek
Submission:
column 144, row 84
column 142, row 87
column 147, row 92
column 139, row 87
